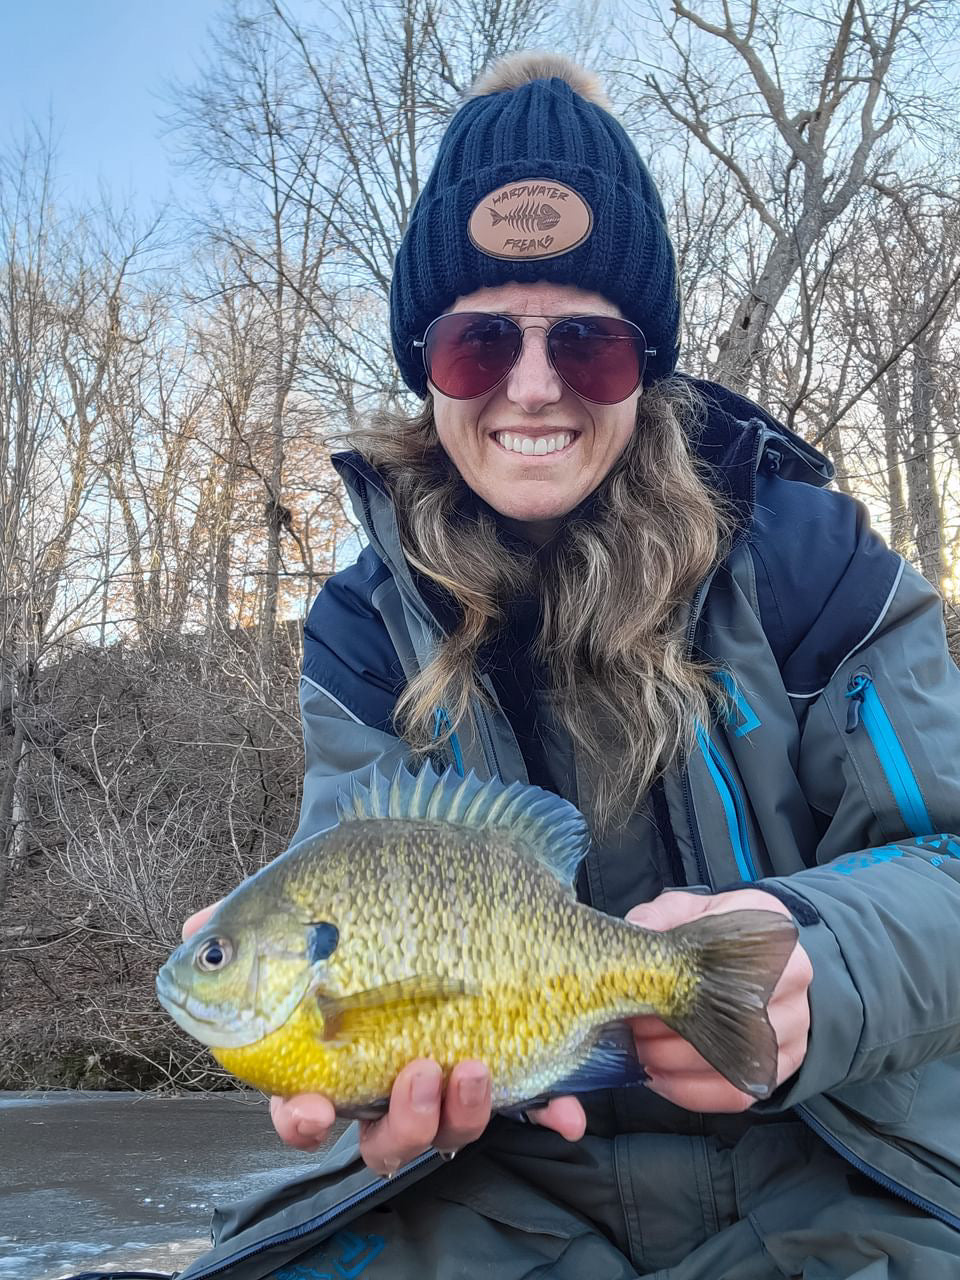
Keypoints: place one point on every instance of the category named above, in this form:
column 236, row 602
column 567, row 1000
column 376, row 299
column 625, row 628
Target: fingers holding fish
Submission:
column 563, row 1115
column 676, row 1070
column 421, row 1116
column 465, row 1112
column 410, row 1123
column 303, row 1121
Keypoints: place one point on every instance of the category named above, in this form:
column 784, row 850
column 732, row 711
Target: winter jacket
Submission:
column 834, row 783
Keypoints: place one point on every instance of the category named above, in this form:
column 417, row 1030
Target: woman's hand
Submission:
column 421, row 1114
column 677, row 1072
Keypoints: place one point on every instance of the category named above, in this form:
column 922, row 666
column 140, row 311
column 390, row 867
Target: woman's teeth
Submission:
column 532, row 444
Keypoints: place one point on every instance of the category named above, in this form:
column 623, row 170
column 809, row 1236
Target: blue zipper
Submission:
column 889, row 1184
column 732, row 802
column 866, row 708
column 696, row 607
column 442, row 721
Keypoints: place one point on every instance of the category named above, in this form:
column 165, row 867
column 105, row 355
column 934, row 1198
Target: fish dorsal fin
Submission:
column 541, row 823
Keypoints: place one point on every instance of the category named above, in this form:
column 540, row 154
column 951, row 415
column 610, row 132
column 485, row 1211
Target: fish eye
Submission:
column 322, row 939
column 213, row 954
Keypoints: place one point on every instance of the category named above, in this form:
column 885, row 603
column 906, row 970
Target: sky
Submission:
column 97, row 70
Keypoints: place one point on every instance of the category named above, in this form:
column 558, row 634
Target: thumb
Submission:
column 671, row 908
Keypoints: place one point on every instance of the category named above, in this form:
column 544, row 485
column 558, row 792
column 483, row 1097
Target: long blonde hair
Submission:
column 614, row 586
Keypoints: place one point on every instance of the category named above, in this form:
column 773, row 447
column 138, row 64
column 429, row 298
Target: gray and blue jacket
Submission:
column 833, row 782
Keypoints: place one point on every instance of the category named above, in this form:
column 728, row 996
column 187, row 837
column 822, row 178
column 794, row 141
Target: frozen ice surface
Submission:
column 123, row 1180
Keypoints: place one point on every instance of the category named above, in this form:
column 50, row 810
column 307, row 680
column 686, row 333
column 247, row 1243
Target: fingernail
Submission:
column 425, row 1091
column 472, row 1091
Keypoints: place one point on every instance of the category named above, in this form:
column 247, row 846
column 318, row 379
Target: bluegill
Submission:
column 438, row 919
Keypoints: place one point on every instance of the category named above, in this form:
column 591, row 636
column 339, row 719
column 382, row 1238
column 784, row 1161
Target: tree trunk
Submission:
column 922, row 493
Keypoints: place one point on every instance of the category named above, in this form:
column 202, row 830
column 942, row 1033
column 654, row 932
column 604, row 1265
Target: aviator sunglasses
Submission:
column 600, row 358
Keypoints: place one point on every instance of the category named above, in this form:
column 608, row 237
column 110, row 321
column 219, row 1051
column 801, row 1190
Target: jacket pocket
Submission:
column 886, row 1101
column 867, row 716
column 496, row 1193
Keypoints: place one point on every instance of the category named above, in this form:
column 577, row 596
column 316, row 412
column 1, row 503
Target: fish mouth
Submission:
column 205, row 1022
column 216, row 1027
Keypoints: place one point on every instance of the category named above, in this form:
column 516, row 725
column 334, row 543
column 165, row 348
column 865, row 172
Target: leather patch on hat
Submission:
column 532, row 218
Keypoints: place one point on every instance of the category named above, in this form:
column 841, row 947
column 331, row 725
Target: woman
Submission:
column 587, row 571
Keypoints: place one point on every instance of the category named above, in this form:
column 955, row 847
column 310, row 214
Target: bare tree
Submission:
column 800, row 134
column 59, row 294
column 899, row 305
column 246, row 120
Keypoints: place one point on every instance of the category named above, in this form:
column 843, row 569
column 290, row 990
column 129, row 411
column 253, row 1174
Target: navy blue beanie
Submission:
column 536, row 183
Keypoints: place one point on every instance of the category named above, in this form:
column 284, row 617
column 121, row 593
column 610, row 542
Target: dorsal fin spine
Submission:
column 541, row 823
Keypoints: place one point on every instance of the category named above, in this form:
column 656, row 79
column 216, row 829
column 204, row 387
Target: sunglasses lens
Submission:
column 468, row 353
column 599, row 357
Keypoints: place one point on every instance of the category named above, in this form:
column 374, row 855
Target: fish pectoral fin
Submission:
column 364, row 1012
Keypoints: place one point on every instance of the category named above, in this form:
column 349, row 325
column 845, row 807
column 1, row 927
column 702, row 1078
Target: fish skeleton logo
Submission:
column 534, row 218
column 528, row 217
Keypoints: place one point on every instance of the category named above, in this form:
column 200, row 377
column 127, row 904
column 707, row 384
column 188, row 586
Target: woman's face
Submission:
column 534, row 491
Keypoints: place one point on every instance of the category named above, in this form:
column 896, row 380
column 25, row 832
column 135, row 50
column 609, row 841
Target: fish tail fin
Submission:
column 497, row 217
column 737, row 958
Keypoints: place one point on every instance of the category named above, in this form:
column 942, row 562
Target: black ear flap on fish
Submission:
column 538, row 822
column 739, row 956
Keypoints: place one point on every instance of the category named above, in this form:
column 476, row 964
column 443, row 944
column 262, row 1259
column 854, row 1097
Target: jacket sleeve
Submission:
column 336, row 746
column 879, row 914
column 351, row 679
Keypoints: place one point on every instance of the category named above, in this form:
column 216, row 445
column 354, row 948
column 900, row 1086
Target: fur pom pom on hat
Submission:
column 520, row 68
column 535, row 180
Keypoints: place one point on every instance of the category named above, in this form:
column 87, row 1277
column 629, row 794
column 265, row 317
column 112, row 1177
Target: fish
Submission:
column 438, row 919
column 529, row 216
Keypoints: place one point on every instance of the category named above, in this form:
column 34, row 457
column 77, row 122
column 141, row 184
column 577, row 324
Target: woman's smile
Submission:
column 527, row 444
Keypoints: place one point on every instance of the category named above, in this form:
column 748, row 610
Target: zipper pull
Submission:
column 856, row 692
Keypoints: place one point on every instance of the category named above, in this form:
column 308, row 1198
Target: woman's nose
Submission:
column 533, row 381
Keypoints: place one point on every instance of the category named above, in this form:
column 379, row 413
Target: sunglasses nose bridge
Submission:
column 533, row 373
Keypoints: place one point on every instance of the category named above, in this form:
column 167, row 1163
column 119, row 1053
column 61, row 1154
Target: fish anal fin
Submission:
column 609, row 1061
column 364, row 1013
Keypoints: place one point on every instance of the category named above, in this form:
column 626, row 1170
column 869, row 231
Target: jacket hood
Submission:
column 730, row 415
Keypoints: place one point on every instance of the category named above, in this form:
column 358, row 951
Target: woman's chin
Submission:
column 531, row 508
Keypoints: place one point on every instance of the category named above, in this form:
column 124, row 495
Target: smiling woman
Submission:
column 588, row 571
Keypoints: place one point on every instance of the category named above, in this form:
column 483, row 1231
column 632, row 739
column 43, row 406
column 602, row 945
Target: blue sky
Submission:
column 98, row 69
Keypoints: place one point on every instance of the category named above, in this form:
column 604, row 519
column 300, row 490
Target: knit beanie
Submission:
column 535, row 180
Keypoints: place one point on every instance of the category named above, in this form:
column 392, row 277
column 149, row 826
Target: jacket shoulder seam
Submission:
column 326, row 692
